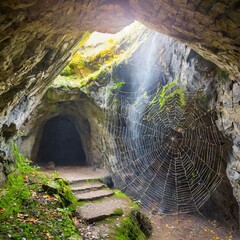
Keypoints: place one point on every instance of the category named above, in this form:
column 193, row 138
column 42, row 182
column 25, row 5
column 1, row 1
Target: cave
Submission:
column 39, row 39
column 61, row 144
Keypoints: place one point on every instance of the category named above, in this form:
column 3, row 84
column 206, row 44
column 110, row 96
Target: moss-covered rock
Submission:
column 94, row 60
column 136, row 226
column 35, row 206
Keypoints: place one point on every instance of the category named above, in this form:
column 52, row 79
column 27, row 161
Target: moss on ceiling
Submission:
column 94, row 60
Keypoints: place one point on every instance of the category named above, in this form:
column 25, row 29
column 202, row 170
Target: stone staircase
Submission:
column 97, row 201
column 100, row 209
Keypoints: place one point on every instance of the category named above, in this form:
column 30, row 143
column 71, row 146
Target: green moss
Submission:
column 81, row 203
column 135, row 226
column 119, row 193
column 95, row 62
column 60, row 188
column 29, row 211
column 118, row 212
column 168, row 92
column 118, row 85
column 67, row 71
column 136, row 205
column 130, row 229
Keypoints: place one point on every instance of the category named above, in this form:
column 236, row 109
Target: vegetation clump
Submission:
column 136, row 226
column 167, row 93
column 29, row 210
column 94, row 61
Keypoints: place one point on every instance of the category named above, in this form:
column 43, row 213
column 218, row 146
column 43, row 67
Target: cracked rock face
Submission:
column 228, row 107
column 211, row 28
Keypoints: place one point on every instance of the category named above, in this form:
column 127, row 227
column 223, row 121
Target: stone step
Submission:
column 93, row 195
column 86, row 186
column 107, row 207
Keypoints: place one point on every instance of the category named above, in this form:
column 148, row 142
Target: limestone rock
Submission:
column 93, row 195
column 96, row 211
column 210, row 28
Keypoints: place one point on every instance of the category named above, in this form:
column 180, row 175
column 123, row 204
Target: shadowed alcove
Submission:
column 61, row 143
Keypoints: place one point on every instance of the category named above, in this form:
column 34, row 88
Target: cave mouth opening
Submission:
column 61, row 144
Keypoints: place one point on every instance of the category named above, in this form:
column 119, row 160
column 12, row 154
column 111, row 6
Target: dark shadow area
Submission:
column 61, row 144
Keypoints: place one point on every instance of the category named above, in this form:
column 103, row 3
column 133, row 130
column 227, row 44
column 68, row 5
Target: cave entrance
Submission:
column 61, row 143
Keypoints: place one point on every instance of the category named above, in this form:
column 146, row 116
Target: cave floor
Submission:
column 188, row 227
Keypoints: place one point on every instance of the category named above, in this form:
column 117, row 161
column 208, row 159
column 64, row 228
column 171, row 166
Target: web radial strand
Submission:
column 166, row 149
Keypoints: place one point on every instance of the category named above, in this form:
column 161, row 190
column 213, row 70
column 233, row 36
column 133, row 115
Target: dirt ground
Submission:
column 189, row 227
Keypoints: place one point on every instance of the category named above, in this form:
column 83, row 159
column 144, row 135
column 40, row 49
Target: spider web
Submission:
column 163, row 146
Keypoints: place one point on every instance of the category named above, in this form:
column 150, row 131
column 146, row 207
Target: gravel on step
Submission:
column 93, row 195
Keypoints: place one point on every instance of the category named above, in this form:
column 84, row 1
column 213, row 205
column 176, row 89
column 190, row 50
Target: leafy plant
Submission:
column 118, row 85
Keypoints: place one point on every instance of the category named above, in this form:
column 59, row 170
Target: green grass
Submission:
column 35, row 206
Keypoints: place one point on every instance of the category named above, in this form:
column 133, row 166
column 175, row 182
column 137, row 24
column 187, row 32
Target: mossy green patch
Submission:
column 130, row 229
column 119, row 193
column 27, row 211
column 95, row 62
column 169, row 92
column 118, row 85
column 136, row 205
column 118, row 212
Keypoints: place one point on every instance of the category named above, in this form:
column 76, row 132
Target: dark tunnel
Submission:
column 61, row 143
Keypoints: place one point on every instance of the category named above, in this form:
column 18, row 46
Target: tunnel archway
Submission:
column 61, row 143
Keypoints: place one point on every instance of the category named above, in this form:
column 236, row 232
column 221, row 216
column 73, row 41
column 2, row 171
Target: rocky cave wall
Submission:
column 79, row 109
column 37, row 38
column 211, row 28
column 35, row 44
column 176, row 61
